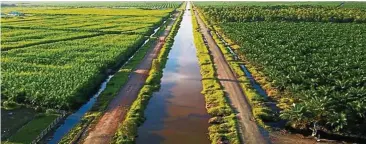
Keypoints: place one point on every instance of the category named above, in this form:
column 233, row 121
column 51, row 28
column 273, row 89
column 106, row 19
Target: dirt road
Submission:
column 249, row 130
column 106, row 127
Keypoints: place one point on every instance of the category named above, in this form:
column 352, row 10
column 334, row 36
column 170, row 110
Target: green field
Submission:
column 12, row 120
column 110, row 4
column 284, row 13
column 310, row 59
column 57, row 56
column 31, row 130
column 294, row 3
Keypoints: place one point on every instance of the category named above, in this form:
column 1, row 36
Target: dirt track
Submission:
column 249, row 130
column 106, row 127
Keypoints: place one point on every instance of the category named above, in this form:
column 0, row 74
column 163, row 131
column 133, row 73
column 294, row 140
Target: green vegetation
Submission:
column 14, row 119
column 284, row 13
column 34, row 11
column 10, row 105
column 32, row 129
column 57, row 57
column 63, row 71
column 80, row 23
column 22, row 38
column 315, row 70
column 109, row 4
column 127, row 131
column 340, row 4
column 223, row 122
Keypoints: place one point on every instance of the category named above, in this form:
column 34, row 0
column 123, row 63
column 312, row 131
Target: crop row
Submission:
column 339, row 4
column 87, row 19
column 65, row 71
column 62, row 59
column 283, row 13
column 62, row 74
column 117, row 23
column 62, row 19
column 15, row 38
column 321, row 65
column 32, row 31
column 80, row 23
column 138, row 4
column 88, row 11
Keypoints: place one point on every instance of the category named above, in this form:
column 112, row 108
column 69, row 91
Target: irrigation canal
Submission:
column 176, row 113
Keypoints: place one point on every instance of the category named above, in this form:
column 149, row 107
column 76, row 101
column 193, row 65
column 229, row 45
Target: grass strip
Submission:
column 127, row 131
column 31, row 130
column 223, row 122
column 113, row 86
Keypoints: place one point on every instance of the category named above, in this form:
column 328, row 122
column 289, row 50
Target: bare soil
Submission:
column 106, row 127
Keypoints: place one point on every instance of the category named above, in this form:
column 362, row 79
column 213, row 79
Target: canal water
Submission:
column 176, row 113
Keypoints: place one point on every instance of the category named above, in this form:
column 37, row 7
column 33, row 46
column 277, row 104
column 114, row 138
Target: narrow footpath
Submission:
column 106, row 127
column 249, row 131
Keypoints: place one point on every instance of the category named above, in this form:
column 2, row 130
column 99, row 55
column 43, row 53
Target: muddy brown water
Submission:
column 176, row 113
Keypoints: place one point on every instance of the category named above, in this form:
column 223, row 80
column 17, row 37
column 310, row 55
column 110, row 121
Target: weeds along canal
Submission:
column 176, row 113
